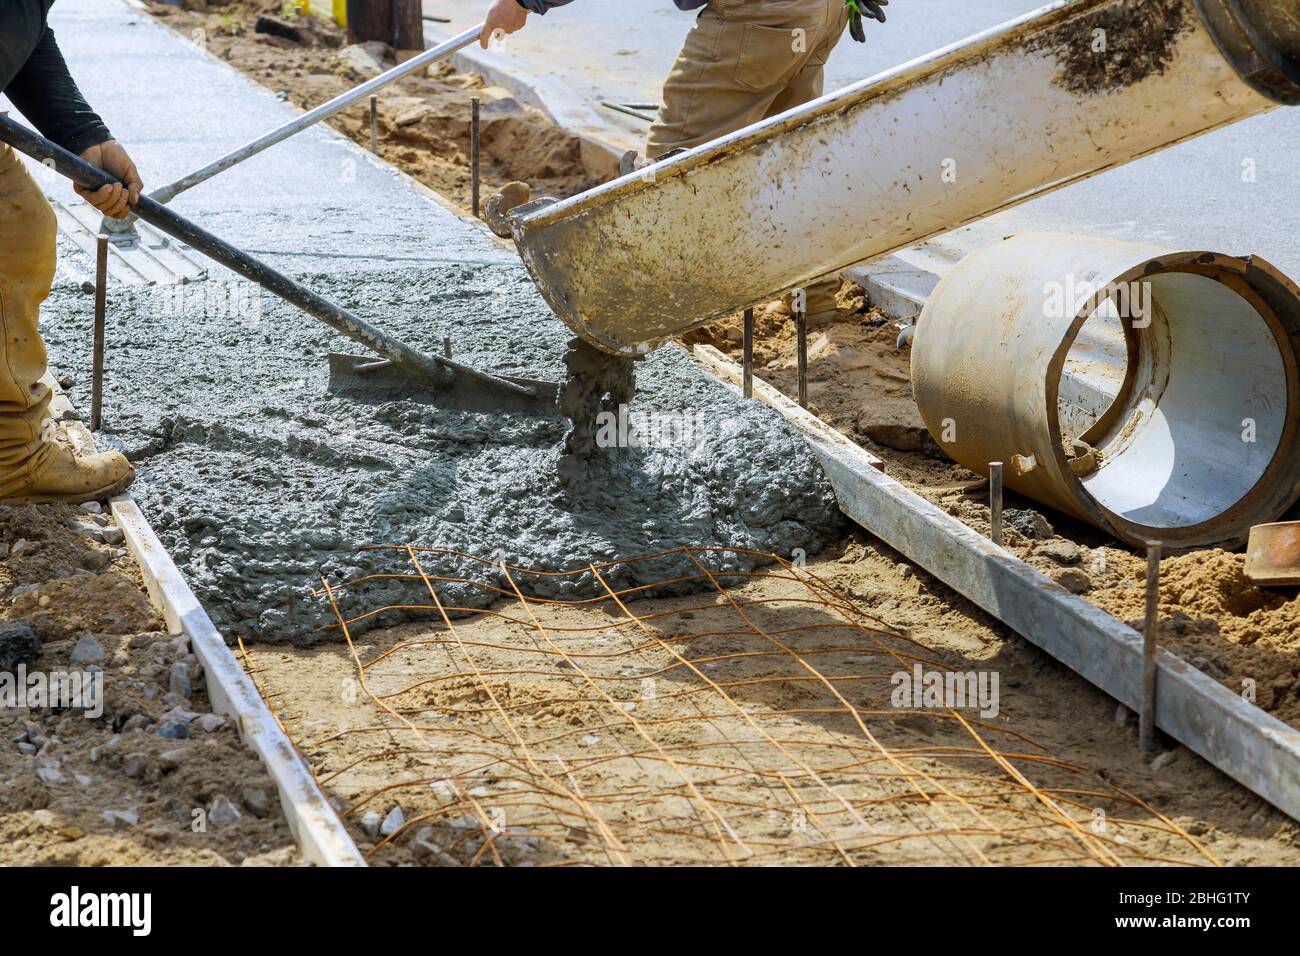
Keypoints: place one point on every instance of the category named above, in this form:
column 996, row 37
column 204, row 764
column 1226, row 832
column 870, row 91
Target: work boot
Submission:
column 75, row 478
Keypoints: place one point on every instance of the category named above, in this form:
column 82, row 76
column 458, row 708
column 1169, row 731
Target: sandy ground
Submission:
column 1244, row 636
column 145, row 776
column 574, row 735
column 424, row 119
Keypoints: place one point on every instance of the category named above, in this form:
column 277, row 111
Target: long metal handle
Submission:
column 435, row 368
column 341, row 102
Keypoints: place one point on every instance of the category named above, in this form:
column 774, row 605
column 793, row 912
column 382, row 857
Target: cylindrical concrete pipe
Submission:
column 1040, row 102
column 1149, row 391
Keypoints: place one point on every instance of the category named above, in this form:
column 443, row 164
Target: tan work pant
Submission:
column 743, row 61
column 27, row 244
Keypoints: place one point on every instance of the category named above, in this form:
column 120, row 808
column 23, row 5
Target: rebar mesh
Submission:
column 751, row 722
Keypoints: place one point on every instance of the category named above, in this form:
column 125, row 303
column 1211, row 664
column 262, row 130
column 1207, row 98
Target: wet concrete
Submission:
column 258, row 479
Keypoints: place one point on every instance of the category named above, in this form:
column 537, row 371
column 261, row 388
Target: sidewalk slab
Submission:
column 314, row 203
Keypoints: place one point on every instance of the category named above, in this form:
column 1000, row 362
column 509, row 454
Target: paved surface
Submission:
column 1192, row 195
column 313, row 203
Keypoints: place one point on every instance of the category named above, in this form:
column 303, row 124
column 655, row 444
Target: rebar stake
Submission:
column 374, row 124
column 474, row 153
column 1147, row 712
column 995, row 502
column 801, row 330
column 748, row 363
column 97, row 360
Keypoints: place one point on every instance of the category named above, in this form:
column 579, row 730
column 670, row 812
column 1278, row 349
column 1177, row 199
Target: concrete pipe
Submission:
column 1067, row 91
column 1151, row 392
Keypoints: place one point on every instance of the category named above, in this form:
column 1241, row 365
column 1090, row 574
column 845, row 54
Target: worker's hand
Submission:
column 505, row 16
column 114, row 201
column 864, row 8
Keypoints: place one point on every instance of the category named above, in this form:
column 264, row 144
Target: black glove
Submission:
column 860, row 8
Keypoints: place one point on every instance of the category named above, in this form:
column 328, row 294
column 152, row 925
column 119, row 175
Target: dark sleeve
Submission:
column 541, row 6
column 44, row 91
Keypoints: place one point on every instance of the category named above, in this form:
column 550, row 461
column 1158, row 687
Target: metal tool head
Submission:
column 1273, row 554
column 367, row 378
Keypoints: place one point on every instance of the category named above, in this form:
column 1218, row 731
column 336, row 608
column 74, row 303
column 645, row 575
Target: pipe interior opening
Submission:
column 1094, row 373
column 1203, row 414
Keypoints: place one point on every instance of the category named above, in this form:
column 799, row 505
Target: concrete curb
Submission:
column 1255, row 749
column 895, row 286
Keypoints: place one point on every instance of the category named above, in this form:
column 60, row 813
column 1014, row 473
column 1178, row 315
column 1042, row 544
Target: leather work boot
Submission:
column 76, row 478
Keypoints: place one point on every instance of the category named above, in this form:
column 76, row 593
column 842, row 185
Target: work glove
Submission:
column 864, row 8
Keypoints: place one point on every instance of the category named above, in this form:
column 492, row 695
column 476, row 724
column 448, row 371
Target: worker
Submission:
column 743, row 61
column 36, row 462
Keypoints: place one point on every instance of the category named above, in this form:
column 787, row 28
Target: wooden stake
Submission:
column 369, row 20
column 408, row 29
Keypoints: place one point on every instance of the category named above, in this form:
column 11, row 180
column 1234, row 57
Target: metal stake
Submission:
column 374, row 123
column 995, row 502
column 748, row 380
column 801, row 330
column 473, row 153
column 97, row 361
column 1147, row 712
column 446, row 346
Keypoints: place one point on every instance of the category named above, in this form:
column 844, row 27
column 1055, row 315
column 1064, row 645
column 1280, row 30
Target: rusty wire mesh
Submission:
column 750, row 722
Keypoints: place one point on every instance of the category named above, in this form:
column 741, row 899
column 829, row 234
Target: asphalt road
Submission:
column 1194, row 195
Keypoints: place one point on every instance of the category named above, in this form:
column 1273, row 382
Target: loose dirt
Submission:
column 139, row 772
column 424, row 119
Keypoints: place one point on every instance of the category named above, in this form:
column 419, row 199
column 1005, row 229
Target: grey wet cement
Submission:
column 259, row 480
